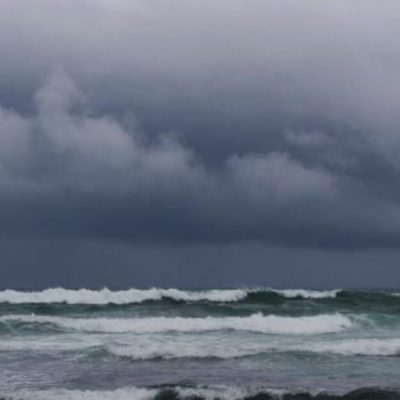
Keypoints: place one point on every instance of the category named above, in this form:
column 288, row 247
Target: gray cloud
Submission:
column 201, row 122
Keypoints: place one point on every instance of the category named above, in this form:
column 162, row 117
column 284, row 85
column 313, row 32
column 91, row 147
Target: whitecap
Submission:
column 107, row 296
column 306, row 294
column 272, row 324
column 352, row 347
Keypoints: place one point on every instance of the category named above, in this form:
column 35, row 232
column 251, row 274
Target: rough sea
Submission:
column 165, row 344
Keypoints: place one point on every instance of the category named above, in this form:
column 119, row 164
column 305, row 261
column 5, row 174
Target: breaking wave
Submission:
column 355, row 347
column 200, row 393
column 131, row 296
column 106, row 296
column 205, row 349
column 272, row 324
column 306, row 294
column 168, row 351
column 366, row 347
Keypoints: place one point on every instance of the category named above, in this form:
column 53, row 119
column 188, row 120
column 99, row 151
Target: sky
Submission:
column 199, row 143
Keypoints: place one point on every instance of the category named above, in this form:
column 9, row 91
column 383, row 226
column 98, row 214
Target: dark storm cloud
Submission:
column 201, row 121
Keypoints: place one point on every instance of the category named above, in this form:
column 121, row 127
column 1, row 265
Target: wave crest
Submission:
column 272, row 324
column 171, row 350
column 306, row 294
column 202, row 393
column 107, row 296
column 131, row 296
column 354, row 347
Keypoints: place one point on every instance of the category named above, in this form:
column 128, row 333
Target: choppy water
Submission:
column 225, row 344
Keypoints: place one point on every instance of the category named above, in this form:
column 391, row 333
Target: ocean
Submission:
column 165, row 344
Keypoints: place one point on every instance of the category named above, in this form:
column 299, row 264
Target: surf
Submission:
column 221, row 392
column 131, row 296
column 269, row 324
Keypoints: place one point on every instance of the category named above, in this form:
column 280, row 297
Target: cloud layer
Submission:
column 206, row 121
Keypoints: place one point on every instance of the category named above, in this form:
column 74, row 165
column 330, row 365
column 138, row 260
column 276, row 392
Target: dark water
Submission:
column 225, row 344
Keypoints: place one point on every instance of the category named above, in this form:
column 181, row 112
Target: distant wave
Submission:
column 130, row 296
column 272, row 324
column 200, row 392
column 106, row 296
column 306, row 294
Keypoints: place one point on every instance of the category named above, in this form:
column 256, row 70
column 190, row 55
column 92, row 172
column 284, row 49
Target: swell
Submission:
column 134, row 296
column 235, row 302
column 168, row 351
column 171, row 392
column 130, row 296
column 258, row 323
column 203, row 349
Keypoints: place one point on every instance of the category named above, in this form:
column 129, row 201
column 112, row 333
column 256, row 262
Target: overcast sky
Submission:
column 199, row 142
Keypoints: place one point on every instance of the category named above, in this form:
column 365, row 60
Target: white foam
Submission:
column 225, row 350
column 51, row 343
column 214, row 344
column 139, row 347
column 131, row 393
column 173, row 353
column 367, row 347
column 306, row 294
column 226, row 392
column 134, row 393
column 106, row 296
column 171, row 349
column 273, row 324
